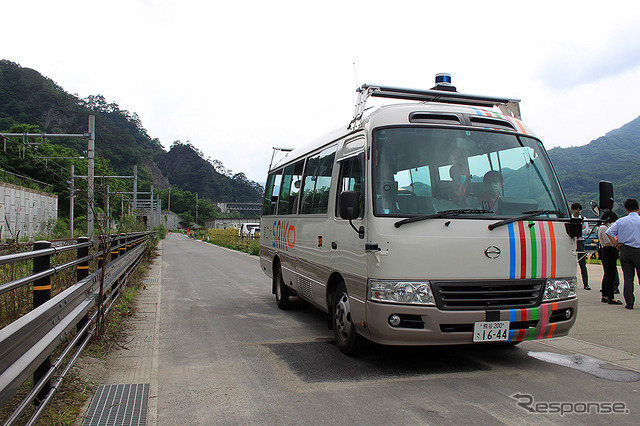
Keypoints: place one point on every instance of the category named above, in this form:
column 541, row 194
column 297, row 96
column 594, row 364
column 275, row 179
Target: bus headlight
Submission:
column 408, row 292
column 559, row 288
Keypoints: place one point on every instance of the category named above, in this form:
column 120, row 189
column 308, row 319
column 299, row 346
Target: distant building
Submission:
column 241, row 207
column 224, row 222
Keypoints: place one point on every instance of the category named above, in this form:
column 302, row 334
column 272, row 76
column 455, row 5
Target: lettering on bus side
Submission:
column 284, row 235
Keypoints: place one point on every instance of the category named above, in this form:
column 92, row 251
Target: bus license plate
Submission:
column 490, row 331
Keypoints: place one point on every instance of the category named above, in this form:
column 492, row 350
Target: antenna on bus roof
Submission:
column 355, row 73
column 275, row 149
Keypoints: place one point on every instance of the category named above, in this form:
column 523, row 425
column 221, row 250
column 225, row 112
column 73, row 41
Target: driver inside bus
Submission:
column 492, row 189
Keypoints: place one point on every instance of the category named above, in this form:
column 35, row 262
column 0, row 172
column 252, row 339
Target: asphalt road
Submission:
column 228, row 355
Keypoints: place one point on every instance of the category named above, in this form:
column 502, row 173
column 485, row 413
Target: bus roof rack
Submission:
column 508, row 106
column 278, row 149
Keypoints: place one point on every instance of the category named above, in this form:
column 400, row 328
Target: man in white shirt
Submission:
column 625, row 233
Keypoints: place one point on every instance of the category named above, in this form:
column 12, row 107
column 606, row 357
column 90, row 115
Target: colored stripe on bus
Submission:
column 543, row 254
column 552, row 241
column 543, row 320
column 523, row 251
column 534, row 250
column 512, row 252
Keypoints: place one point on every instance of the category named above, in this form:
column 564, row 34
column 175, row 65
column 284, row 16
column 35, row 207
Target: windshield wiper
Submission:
column 444, row 213
column 526, row 215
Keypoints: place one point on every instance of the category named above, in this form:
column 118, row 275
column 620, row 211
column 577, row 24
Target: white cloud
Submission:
column 236, row 78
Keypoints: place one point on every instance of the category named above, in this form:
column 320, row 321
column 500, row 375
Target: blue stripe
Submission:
column 513, row 315
column 510, row 338
column 478, row 111
column 512, row 251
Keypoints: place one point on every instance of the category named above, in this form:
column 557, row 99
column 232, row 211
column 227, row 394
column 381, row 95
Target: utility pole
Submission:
column 135, row 188
column 90, row 173
column 72, row 196
column 196, row 208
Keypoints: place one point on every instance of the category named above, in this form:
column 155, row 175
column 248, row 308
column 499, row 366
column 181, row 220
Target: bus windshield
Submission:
column 426, row 171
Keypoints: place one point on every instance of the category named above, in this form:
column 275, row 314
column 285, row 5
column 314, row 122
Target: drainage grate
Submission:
column 119, row 405
column 150, row 281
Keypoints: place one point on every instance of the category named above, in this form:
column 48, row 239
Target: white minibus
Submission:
column 436, row 221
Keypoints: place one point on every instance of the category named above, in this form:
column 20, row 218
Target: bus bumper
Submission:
column 425, row 325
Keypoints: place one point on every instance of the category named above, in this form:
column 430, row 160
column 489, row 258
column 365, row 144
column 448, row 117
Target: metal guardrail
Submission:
column 26, row 345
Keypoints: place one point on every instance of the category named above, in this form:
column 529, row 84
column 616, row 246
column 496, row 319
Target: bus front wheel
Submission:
column 347, row 338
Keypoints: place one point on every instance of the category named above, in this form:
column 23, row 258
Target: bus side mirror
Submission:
column 349, row 205
column 606, row 195
column 594, row 208
column 574, row 227
column 350, row 209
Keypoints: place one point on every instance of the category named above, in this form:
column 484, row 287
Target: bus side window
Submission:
column 271, row 193
column 317, row 182
column 291, row 182
column 350, row 180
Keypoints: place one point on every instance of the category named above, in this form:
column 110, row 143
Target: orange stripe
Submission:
column 552, row 328
column 42, row 287
column 82, row 267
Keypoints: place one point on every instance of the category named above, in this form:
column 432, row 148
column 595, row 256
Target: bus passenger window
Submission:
column 317, row 182
column 271, row 191
column 291, row 182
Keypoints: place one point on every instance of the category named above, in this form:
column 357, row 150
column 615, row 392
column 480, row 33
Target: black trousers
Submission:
column 630, row 262
column 609, row 258
column 582, row 260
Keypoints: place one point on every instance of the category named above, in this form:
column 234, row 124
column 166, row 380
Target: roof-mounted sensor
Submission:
column 441, row 93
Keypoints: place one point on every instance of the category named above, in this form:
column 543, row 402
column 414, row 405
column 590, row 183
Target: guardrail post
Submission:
column 82, row 272
column 41, row 294
column 114, row 247
column 123, row 241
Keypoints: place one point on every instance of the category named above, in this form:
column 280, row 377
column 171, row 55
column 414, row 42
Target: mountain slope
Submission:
column 26, row 97
column 614, row 157
column 189, row 170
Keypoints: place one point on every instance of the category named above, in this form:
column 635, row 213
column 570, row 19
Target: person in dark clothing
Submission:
column 609, row 257
column 576, row 209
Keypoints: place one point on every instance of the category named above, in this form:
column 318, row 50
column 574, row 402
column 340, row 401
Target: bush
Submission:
column 161, row 231
column 229, row 238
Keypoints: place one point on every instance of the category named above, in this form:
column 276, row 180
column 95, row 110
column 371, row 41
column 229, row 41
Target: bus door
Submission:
column 348, row 254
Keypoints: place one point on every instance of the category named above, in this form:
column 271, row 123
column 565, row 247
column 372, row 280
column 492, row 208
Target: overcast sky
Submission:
column 236, row 78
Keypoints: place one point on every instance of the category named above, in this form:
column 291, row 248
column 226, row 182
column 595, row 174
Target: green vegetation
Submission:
column 32, row 103
column 614, row 157
column 230, row 238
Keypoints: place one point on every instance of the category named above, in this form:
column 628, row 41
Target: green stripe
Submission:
column 534, row 252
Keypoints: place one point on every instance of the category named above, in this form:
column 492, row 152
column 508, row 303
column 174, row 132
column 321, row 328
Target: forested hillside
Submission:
column 30, row 102
column 614, row 157
column 188, row 169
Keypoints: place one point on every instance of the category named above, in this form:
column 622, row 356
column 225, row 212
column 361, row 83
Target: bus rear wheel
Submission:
column 344, row 331
column 282, row 292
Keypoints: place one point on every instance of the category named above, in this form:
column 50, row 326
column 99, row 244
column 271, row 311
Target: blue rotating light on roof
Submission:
column 443, row 79
column 443, row 82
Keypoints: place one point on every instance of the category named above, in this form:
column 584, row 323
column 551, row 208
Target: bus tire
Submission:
column 347, row 338
column 282, row 292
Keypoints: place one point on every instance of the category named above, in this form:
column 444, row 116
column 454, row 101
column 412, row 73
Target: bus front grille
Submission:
column 483, row 295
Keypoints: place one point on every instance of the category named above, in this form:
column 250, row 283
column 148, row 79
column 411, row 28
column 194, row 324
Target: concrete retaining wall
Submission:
column 25, row 212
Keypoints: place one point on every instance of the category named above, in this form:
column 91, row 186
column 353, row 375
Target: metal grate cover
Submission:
column 118, row 405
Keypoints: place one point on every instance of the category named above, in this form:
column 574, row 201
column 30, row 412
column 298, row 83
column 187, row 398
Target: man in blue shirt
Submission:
column 625, row 233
